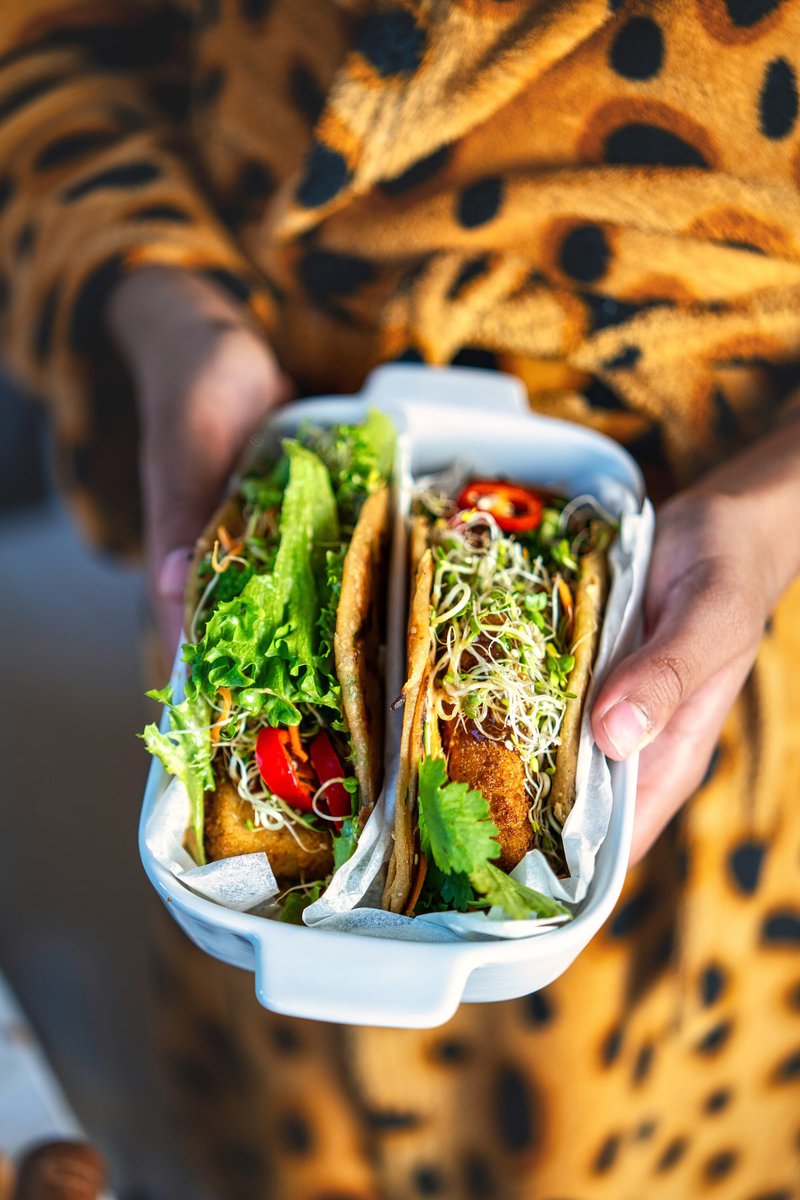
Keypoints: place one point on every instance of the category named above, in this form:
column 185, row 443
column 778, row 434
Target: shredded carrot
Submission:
column 216, row 565
column 422, row 871
column 227, row 704
column 296, row 744
column 565, row 596
column 229, row 544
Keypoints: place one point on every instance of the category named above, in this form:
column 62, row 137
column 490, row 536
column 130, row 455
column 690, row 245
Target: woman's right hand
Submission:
column 205, row 382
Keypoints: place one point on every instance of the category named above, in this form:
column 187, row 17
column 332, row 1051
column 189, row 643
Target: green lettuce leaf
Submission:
column 185, row 750
column 516, row 900
column 359, row 459
column 264, row 643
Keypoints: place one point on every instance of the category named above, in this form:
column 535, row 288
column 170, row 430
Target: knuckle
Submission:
column 671, row 678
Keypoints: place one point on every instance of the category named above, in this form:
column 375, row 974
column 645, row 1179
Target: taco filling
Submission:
column 505, row 617
column 278, row 740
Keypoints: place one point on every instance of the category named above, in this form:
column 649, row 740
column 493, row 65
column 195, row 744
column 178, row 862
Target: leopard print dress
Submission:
column 602, row 198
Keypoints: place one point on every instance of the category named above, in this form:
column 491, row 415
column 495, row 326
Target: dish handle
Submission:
column 446, row 387
column 357, row 980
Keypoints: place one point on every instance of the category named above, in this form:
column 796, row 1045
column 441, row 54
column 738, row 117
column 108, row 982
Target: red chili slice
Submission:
column 279, row 770
column 327, row 765
column 514, row 508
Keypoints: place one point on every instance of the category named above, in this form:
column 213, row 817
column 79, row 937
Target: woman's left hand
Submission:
column 724, row 552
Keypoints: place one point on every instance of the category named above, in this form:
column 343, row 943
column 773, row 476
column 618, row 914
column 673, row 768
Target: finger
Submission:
column 708, row 619
column 673, row 767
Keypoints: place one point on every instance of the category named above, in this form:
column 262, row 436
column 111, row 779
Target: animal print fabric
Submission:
column 603, row 199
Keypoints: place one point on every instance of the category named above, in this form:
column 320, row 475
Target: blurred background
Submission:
column 76, row 906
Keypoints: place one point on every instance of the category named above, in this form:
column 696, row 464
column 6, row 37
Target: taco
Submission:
column 279, row 738
column 507, row 600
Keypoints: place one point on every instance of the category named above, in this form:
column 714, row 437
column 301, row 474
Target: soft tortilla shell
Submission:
column 357, row 641
column 590, row 593
column 401, row 864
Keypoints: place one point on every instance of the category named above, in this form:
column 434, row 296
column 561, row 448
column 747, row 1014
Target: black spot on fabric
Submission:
column 474, row 356
column 81, row 465
column 713, row 764
column 478, row 1179
column 255, row 10
column 645, row 1131
column 45, row 324
column 284, row 1038
column 712, row 984
column 305, row 93
column 746, row 13
column 392, row 42
column 539, row 1008
column 326, row 274
column 71, row 147
column 612, row 1046
column 607, row 312
column 599, row 395
column 713, row 1041
column 720, row 1165
column 162, row 212
column 672, row 1155
column 648, row 447
column 294, row 1133
column 745, row 862
column 410, row 355
column 632, row 914
column 7, row 189
column 778, row 101
column 585, row 254
column 643, row 1064
column 789, row 1069
column 513, row 1108
column 717, row 1101
column 794, row 997
column 25, row 240
column 725, row 423
column 627, row 358
column 256, row 180
column 453, row 1052
column 87, row 305
column 640, row 144
column 418, row 173
column 25, row 94
column 474, row 268
column 779, row 1194
column 326, row 174
column 480, row 202
column 237, row 287
column 127, row 175
column 428, row 1181
column 607, row 1154
column 210, row 86
column 389, row 1121
column 637, row 52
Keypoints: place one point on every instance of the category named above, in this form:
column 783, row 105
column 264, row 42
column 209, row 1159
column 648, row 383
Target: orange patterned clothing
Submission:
column 603, row 199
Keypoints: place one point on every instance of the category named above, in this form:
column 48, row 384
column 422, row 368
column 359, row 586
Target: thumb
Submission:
column 704, row 622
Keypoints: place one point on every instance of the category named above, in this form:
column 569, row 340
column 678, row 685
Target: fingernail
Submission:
column 172, row 575
column 626, row 726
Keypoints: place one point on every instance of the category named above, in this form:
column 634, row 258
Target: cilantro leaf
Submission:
column 456, row 830
column 516, row 900
column 185, row 750
column 295, row 904
column 344, row 843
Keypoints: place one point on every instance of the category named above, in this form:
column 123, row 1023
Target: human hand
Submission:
column 724, row 552
column 205, row 381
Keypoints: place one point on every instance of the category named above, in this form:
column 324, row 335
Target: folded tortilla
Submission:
column 296, row 852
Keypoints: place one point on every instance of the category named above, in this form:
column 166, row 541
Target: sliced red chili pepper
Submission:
column 279, row 770
column 514, row 508
column 327, row 764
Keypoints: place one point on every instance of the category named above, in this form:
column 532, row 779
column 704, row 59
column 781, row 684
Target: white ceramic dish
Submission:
column 369, row 980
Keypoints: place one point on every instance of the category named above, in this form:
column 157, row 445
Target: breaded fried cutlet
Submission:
column 499, row 774
column 293, row 854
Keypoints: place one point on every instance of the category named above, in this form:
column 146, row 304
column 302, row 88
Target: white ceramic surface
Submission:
column 344, row 977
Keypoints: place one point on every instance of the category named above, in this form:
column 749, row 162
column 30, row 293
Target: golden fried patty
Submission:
column 499, row 774
column 293, row 854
